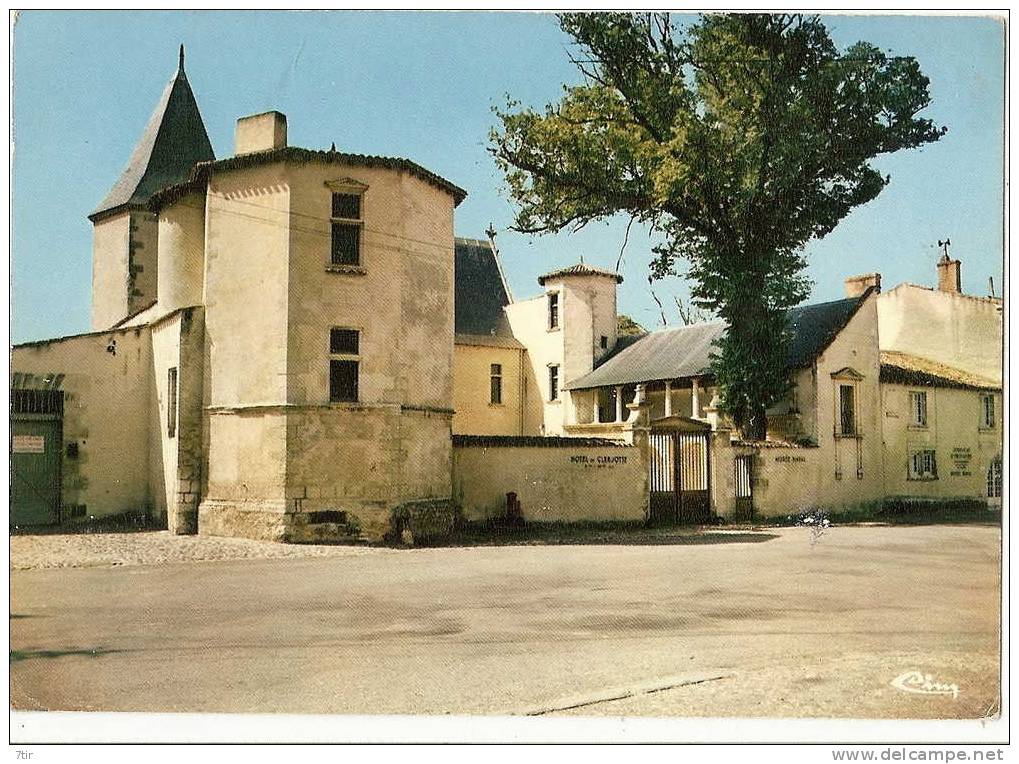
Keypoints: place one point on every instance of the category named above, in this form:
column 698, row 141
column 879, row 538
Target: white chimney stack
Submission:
column 260, row 132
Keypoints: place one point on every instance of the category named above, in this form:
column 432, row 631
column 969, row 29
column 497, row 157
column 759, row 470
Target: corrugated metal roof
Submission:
column 686, row 351
column 664, row 354
column 580, row 269
column 479, row 293
column 905, row 369
column 174, row 140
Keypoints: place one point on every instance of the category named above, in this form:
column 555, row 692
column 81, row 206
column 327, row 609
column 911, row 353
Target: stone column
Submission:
column 595, row 401
column 695, row 398
column 711, row 412
column 668, row 398
column 619, row 403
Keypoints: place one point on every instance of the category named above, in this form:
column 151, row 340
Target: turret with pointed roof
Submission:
column 125, row 245
column 174, row 141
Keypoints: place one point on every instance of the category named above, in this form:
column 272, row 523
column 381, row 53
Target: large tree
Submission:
column 737, row 139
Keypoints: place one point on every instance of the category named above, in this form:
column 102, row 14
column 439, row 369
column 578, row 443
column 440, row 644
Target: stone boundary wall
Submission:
column 555, row 479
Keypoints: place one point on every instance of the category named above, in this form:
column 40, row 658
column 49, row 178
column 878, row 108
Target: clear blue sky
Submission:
column 421, row 85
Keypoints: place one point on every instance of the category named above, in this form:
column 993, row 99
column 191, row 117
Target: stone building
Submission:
column 292, row 344
column 272, row 351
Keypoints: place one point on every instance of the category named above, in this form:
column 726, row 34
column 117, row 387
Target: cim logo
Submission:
column 919, row 683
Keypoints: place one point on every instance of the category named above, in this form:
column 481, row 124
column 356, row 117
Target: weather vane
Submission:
column 944, row 245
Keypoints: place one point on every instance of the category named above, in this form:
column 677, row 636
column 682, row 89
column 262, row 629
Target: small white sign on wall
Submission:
column 29, row 444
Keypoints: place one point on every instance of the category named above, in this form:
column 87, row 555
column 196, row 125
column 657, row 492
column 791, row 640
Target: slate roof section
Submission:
column 905, row 369
column 174, row 140
column 813, row 327
column 686, row 351
column 580, row 269
column 197, row 179
column 480, row 292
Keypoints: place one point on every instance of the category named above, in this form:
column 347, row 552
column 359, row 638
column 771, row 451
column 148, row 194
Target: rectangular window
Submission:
column 496, row 383
column 342, row 380
column 347, row 206
column 923, row 465
column 847, row 410
column 553, row 310
column 346, row 229
column 553, row 383
column 171, row 402
column 987, row 411
column 343, row 341
column 344, row 366
column 346, row 244
column 604, row 342
column 918, row 409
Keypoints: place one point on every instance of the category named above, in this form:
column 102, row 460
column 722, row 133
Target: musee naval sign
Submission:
column 961, row 458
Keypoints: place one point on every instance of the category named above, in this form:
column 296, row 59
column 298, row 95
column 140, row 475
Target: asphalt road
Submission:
column 745, row 625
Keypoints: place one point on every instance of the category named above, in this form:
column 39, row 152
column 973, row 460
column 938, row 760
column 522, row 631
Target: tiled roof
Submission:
column 580, row 269
column 480, row 291
column 686, row 351
column 174, row 140
column 534, row 441
column 905, row 369
column 199, row 175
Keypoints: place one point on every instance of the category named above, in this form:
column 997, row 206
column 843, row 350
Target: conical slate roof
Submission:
column 173, row 142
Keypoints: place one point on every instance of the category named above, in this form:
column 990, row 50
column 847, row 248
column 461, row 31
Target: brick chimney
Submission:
column 857, row 285
column 949, row 275
column 260, row 132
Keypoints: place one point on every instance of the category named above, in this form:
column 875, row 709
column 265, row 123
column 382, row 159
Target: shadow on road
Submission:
column 540, row 536
column 24, row 655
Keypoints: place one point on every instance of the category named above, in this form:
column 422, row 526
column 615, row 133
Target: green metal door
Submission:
column 35, row 471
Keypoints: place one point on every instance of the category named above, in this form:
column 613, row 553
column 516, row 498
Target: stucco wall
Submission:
column 110, row 243
column 107, row 413
column 277, row 445
column 529, row 322
column 177, row 460
column 840, row 471
column 181, row 253
column 474, row 412
column 959, row 330
column 245, row 339
column 963, row 449
column 554, row 484
column 246, row 293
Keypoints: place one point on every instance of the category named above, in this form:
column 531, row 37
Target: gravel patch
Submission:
column 75, row 550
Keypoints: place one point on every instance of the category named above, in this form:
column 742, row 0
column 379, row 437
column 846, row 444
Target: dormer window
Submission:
column 553, row 311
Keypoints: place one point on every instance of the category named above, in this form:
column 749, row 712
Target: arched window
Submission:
column 994, row 479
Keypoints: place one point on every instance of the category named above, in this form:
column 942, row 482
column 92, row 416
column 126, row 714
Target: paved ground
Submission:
column 88, row 550
column 762, row 624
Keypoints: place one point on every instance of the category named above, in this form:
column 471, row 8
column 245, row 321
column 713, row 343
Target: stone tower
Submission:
column 125, row 240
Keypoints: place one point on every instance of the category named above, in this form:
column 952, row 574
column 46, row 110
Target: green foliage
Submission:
column 738, row 139
column 627, row 327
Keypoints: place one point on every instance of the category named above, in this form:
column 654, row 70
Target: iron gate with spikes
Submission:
column 679, row 477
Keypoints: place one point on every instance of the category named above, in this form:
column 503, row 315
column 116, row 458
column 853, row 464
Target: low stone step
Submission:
column 323, row 533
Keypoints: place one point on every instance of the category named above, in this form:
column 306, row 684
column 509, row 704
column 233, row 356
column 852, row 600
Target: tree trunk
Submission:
column 756, row 426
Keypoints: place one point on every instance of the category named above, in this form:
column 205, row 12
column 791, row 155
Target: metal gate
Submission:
column 680, row 477
column 744, row 482
column 36, row 445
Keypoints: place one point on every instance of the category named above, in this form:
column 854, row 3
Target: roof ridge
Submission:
column 201, row 170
